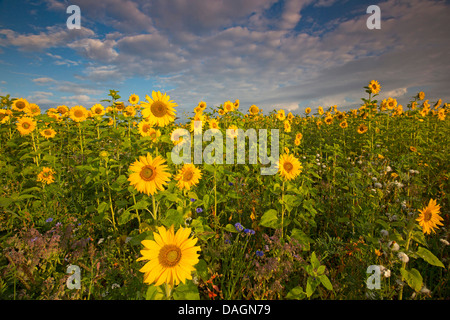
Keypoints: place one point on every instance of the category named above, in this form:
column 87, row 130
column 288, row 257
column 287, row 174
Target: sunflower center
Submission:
column 78, row 113
column 158, row 109
column 20, row 104
column 98, row 111
column 187, row 176
column 47, row 132
column 26, row 125
column 148, row 173
column 427, row 216
column 169, row 255
column 288, row 166
column 145, row 128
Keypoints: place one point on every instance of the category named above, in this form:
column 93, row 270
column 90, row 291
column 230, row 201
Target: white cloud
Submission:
column 43, row 80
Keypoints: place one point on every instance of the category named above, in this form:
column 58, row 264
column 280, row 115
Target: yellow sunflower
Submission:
column 154, row 134
column 98, row 110
column 228, row 106
column 171, row 257
column 48, row 133
column 343, row 124
column 149, row 174
column 232, row 131
column 320, row 110
column 4, row 115
column 253, row 110
column 159, row 109
column 214, row 124
column 63, row 110
column 177, row 136
column 413, row 149
column 374, row 86
column 362, row 128
column 421, row 95
column 188, row 176
column 26, row 125
column 202, row 105
column 78, row 113
column 20, row 104
column 32, row 110
column 307, row 110
column 287, row 126
column 144, row 128
column 289, row 166
column 236, row 104
column 429, row 217
column 46, row 175
column 133, row 99
column 129, row 111
column 329, row 120
column 281, row 115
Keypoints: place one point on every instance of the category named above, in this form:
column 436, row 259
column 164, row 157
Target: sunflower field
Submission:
column 92, row 206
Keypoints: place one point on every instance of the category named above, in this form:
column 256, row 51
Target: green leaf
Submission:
column 314, row 261
column 125, row 217
column 296, row 293
column 326, row 282
column 172, row 217
column 413, row 278
column 302, row 238
column 102, row 207
column 429, row 257
column 270, row 219
column 311, row 286
column 202, row 269
column 230, row 228
column 186, row 291
column 154, row 293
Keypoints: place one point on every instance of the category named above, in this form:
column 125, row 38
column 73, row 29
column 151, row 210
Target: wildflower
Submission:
column 199, row 210
column 49, row 220
column 289, row 166
column 46, row 175
column 374, row 86
column 78, row 113
column 238, row 226
column 149, row 174
column 188, row 176
column 259, row 253
column 249, row 231
column 393, row 245
column 159, row 109
column 384, row 233
column 192, row 199
column 429, row 217
column 26, row 125
column 171, row 256
column 403, row 257
column 445, row 242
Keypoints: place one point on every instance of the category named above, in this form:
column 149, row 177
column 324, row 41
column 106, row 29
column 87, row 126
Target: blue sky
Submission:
column 289, row 54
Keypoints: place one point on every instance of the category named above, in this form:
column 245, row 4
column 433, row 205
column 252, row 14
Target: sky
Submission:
column 288, row 54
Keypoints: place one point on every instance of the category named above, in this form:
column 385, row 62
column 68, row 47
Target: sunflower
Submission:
column 287, row 126
column 4, row 115
column 172, row 257
column 329, row 120
column 133, row 99
column 236, row 104
column 78, row 113
column 228, row 106
column 144, row 128
column 20, row 104
column 254, row 110
column 413, row 149
column 289, row 167
column 159, row 109
column 26, row 125
column 429, row 217
column 188, row 176
column 63, row 110
column 343, row 124
column 202, row 105
column 154, row 134
column 98, row 110
column 362, row 128
column 307, row 110
column 281, row 115
column 374, row 86
column 46, row 175
column 149, row 174
column 299, row 136
column 221, row 112
column 48, row 133
column 129, row 111
column 320, row 110
column 391, row 103
column 32, row 110
column 214, row 124
column 421, row 95
column 297, row 142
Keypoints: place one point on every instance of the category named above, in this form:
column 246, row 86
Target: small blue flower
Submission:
column 49, row 220
column 227, row 241
column 259, row 253
column 238, row 226
column 192, row 199
column 199, row 210
column 230, row 183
